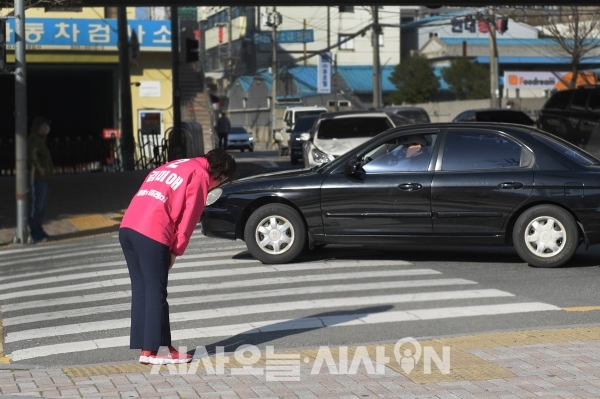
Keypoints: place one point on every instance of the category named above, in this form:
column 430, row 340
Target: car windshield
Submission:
column 306, row 113
column 568, row 149
column 237, row 129
column 517, row 117
column 354, row 127
column 305, row 123
column 414, row 116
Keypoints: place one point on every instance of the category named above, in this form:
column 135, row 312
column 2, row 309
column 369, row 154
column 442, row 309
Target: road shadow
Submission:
column 288, row 328
column 427, row 253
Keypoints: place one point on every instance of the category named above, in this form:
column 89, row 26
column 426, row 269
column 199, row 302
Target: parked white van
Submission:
column 282, row 137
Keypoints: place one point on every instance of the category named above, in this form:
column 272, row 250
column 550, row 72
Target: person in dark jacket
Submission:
column 223, row 128
column 41, row 172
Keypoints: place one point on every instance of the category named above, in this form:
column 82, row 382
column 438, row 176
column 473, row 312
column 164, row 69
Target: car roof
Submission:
column 316, row 107
column 470, row 125
column 493, row 109
column 403, row 108
column 339, row 114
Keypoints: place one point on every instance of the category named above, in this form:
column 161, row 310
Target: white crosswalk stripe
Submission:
column 218, row 290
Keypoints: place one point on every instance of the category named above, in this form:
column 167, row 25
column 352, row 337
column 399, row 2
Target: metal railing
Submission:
column 70, row 155
column 85, row 155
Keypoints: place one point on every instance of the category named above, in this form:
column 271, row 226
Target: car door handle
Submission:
column 512, row 185
column 410, row 186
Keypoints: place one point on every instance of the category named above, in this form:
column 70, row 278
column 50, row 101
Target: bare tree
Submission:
column 577, row 32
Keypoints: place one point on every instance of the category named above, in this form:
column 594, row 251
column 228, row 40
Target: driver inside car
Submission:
column 412, row 153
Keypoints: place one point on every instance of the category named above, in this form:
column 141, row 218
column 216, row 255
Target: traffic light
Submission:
column 3, row 40
column 503, row 25
column 192, row 51
column 346, row 8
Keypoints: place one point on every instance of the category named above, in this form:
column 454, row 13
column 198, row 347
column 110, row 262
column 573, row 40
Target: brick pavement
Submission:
column 562, row 367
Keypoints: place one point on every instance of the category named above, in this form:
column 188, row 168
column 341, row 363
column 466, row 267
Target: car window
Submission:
column 237, row 129
column 304, row 123
column 568, row 149
column 594, row 104
column 467, row 116
column 311, row 112
column 560, row 100
column 517, row 117
column 397, row 155
column 469, row 150
column 354, row 127
column 579, row 101
column 415, row 116
column 400, row 121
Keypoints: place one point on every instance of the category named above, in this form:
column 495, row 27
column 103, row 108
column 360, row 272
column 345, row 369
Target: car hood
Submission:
column 339, row 146
column 285, row 174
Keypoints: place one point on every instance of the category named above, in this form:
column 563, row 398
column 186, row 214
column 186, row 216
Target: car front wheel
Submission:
column 546, row 236
column 275, row 233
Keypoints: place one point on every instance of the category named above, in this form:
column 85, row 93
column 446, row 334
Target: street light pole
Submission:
column 275, row 20
column 494, row 97
column 21, row 234
column 376, row 66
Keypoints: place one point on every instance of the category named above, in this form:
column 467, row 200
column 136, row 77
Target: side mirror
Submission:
column 305, row 136
column 352, row 166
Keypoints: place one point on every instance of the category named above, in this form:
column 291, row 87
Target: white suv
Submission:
column 336, row 133
column 290, row 115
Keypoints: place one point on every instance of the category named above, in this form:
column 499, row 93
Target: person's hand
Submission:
column 413, row 150
column 42, row 171
column 172, row 261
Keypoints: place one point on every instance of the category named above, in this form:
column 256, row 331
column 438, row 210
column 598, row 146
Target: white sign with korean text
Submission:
column 324, row 73
column 150, row 88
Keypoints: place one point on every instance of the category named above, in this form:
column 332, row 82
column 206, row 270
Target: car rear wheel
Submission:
column 275, row 233
column 546, row 236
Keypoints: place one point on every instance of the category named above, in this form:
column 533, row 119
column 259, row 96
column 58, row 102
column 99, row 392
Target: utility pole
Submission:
column 229, row 53
column 494, row 97
column 335, row 75
column 127, row 141
column 176, row 148
column 304, row 27
column 376, row 67
column 328, row 28
column 21, row 234
column 274, row 22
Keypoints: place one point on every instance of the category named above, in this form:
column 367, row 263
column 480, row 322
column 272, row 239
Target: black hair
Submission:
column 222, row 165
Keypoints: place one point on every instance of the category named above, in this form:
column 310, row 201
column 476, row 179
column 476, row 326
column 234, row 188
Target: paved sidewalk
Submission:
column 551, row 363
column 85, row 204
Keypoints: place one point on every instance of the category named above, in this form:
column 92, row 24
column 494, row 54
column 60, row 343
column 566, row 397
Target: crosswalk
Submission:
column 74, row 298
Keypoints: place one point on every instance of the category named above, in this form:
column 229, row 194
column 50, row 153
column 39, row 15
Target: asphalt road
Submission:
column 62, row 301
column 68, row 303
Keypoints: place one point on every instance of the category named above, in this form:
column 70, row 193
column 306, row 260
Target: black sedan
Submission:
column 495, row 115
column 446, row 184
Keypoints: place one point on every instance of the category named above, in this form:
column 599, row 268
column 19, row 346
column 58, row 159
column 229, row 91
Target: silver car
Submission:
column 240, row 139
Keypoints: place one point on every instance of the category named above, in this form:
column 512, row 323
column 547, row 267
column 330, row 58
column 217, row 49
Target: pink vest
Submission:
column 169, row 203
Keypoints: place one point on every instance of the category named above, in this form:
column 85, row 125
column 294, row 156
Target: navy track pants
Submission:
column 148, row 263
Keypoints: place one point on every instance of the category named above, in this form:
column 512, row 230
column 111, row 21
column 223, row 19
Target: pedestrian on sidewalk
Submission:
column 223, row 128
column 156, row 228
column 41, row 172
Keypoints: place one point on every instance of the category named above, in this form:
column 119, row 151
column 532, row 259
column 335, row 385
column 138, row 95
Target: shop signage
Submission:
column 88, row 34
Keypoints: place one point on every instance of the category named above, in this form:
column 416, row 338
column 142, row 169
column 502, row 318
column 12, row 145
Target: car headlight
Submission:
column 320, row 156
column 250, row 138
column 213, row 196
